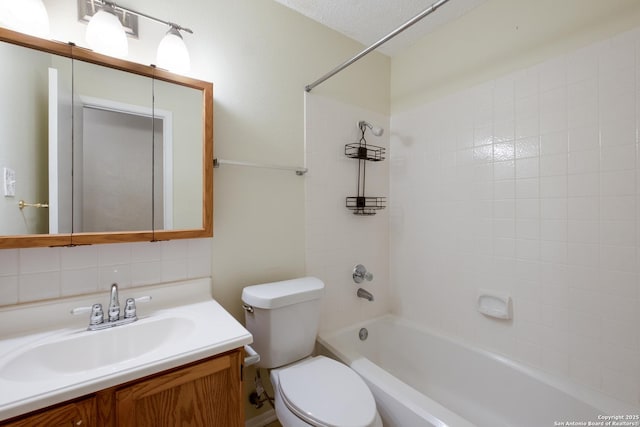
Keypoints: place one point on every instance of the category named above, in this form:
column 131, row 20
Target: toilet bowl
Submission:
column 283, row 318
column 322, row 392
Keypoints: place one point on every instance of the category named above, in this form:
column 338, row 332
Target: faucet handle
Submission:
column 97, row 315
column 130, row 306
column 360, row 273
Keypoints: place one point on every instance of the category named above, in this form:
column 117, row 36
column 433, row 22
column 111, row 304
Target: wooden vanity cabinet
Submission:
column 208, row 393
column 201, row 394
column 71, row 414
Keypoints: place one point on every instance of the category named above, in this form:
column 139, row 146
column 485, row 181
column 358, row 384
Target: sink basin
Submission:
column 48, row 357
column 88, row 350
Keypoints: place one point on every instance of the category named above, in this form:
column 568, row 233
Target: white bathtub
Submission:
column 420, row 378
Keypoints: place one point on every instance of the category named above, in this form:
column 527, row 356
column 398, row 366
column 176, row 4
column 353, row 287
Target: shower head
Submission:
column 375, row 130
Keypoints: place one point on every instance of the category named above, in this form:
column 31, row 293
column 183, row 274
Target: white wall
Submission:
column 528, row 184
column 337, row 239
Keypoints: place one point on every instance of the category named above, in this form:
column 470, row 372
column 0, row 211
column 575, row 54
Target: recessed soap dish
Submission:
column 494, row 304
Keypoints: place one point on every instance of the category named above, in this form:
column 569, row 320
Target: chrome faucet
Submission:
column 363, row 293
column 360, row 274
column 114, row 304
column 97, row 319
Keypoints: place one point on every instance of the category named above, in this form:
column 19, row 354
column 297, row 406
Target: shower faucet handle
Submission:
column 360, row 274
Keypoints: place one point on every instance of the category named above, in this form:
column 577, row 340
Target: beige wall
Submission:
column 259, row 56
column 498, row 37
column 24, row 100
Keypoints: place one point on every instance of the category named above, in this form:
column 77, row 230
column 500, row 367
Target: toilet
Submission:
column 283, row 318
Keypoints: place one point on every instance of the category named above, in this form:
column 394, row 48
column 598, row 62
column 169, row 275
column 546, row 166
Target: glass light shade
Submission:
column 25, row 16
column 106, row 35
column 172, row 53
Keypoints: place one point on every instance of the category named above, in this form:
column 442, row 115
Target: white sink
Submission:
column 48, row 356
column 87, row 350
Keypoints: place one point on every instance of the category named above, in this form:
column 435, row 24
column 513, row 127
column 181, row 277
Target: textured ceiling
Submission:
column 368, row 21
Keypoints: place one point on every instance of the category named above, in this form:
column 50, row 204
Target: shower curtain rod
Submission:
column 374, row 46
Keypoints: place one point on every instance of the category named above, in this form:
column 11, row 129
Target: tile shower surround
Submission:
column 336, row 239
column 528, row 184
column 42, row 273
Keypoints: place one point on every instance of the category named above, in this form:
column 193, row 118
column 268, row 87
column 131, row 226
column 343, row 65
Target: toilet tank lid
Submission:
column 280, row 294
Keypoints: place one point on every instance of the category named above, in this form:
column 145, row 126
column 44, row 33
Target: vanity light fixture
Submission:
column 105, row 33
column 172, row 53
column 25, row 16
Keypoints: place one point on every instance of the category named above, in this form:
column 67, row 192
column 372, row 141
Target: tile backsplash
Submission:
column 28, row 275
column 528, row 185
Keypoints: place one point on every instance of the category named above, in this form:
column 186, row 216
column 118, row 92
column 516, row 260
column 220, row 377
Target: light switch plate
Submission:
column 9, row 182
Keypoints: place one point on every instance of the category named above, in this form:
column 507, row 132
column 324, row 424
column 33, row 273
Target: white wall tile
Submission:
column 174, row 250
column 528, row 229
column 583, row 185
column 8, row 290
column 553, row 208
column 174, row 269
column 586, row 161
column 146, row 273
column 622, row 183
column 553, row 186
column 617, row 133
column 622, row 258
column 618, row 158
column 9, row 262
column 527, row 188
column 118, row 253
column 553, row 251
column 36, row 260
column 198, row 266
column 560, row 219
column 78, row 257
column 621, row 208
column 554, row 143
column 584, row 254
column 42, row 273
column 583, row 231
column 554, row 230
column 79, row 281
column 554, row 164
column 584, row 208
column 584, row 138
column 119, row 274
column 37, row 286
column 458, row 170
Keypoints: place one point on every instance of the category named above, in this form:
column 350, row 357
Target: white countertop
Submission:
column 31, row 379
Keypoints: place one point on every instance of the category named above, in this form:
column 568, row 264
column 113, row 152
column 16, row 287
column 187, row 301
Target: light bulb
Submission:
column 106, row 35
column 25, row 16
column 172, row 53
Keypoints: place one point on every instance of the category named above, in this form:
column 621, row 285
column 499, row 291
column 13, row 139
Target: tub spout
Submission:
column 363, row 293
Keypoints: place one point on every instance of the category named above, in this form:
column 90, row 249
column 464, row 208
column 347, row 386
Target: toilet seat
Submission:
column 324, row 392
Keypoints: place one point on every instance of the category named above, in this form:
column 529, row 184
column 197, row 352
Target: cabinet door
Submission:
column 204, row 394
column 81, row 413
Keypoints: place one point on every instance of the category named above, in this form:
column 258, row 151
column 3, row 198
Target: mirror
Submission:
column 139, row 141
column 178, row 107
column 113, row 143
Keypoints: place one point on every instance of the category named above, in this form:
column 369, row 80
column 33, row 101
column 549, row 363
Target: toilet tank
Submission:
column 283, row 318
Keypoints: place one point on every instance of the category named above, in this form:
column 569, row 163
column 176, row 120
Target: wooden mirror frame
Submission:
column 71, row 239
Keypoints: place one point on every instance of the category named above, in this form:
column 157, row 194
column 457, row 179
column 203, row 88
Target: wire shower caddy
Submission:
column 361, row 204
